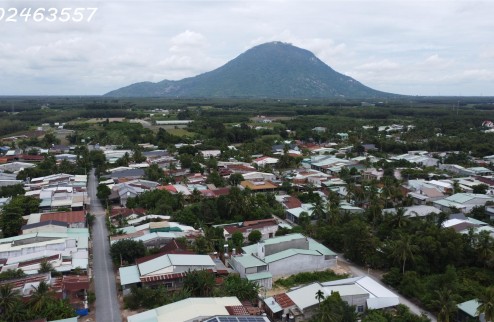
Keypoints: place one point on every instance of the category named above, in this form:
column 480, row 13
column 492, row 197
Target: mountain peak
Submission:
column 273, row 70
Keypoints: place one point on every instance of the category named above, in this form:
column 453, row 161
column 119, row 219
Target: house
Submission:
column 462, row 201
column 319, row 129
column 293, row 214
column 207, row 309
column 259, row 186
column 65, row 250
column 282, row 256
column 415, row 211
column 166, row 269
column 265, row 161
column 362, row 292
column 467, row 311
column 267, row 228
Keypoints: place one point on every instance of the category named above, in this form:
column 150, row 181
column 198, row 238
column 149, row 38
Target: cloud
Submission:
column 378, row 66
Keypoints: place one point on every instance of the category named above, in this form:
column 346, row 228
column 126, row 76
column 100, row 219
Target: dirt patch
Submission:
column 341, row 269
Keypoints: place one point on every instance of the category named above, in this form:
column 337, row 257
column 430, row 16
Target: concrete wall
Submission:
column 300, row 263
column 301, row 243
column 357, row 300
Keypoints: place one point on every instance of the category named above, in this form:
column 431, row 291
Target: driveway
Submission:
column 107, row 307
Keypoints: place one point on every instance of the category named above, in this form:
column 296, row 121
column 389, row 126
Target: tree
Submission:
column 45, row 267
column 199, row 282
column 486, row 304
column 215, row 179
column 154, row 173
column 254, row 236
column 237, row 239
column 235, row 179
column 445, row 304
column 480, row 188
column 137, row 156
column 319, row 296
column 242, row 288
column 11, row 220
column 103, row 192
column 403, row 249
column 8, row 299
column 41, row 297
column 127, row 250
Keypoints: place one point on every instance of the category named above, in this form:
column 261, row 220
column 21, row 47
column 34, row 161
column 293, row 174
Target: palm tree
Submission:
column 8, row 299
column 484, row 248
column 399, row 219
column 403, row 249
column 445, row 304
column 41, row 296
column 318, row 209
column 45, row 267
column 486, row 304
column 319, row 296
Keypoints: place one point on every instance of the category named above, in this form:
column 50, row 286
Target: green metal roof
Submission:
column 259, row 276
column 469, row 307
column 248, row 261
column 313, row 245
column 290, row 252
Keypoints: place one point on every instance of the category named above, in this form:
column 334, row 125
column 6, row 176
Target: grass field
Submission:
column 180, row 132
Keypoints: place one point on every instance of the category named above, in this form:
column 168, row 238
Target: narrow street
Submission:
column 107, row 307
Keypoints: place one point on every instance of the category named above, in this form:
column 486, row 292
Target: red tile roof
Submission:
column 162, row 277
column 292, row 202
column 283, row 300
column 237, row 310
column 75, row 283
column 69, row 217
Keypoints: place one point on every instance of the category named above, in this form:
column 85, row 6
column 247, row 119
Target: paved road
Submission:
column 360, row 271
column 107, row 307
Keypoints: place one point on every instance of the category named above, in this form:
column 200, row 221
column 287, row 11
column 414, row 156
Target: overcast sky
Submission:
column 434, row 47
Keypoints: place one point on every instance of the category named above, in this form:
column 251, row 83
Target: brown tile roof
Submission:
column 292, row 202
column 69, row 217
column 38, row 260
column 283, row 300
column 253, row 224
column 237, row 310
column 125, row 212
column 162, row 277
column 253, row 185
column 75, row 282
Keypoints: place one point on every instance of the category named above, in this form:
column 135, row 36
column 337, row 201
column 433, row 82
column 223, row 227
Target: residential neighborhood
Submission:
column 288, row 232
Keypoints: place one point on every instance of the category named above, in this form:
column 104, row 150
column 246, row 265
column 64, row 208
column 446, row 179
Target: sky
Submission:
column 428, row 47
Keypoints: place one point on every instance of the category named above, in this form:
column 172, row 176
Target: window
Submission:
column 360, row 309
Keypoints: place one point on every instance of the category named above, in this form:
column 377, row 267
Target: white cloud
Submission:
column 390, row 45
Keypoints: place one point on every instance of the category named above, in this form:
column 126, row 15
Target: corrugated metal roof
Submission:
column 191, row 260
column 249, row 261
column 469, row 307
column 154, row 265
column 288, row 253
column 259, row 276
column 129, row 275
column 187, row 309
column 313, row 245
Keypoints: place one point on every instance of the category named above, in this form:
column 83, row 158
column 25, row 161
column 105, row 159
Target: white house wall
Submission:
column 299, row 263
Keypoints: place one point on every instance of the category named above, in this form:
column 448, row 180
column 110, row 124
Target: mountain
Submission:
column 271, row 70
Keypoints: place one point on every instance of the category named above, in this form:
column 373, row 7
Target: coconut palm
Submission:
column 445, row 304
column 45, row 267
column 8, row 299
column 41, row 297
column 403, row 249
column 319, row 296
column 486, row 304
